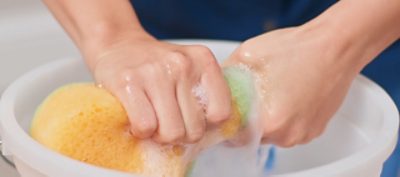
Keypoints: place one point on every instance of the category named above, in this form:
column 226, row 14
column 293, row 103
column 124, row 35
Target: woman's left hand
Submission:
column 302, row 76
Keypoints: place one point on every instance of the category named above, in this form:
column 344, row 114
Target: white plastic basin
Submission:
column 360, row 138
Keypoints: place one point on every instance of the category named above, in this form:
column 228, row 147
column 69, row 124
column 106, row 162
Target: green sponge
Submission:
column 240, row 82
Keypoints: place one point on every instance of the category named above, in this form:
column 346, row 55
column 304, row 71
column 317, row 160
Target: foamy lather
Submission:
column 87, row 123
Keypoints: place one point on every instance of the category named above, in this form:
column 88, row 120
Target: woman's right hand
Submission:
column 155, row 83
column 152, row 79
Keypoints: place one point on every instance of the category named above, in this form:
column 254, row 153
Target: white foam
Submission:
column 240, row 161
column 201, row 95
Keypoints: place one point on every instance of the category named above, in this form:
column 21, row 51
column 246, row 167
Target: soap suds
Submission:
column 201, row 95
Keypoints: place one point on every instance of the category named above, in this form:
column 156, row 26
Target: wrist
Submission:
column 105, row 37
column 359, row 32
column 340, row 53
column 347, row 45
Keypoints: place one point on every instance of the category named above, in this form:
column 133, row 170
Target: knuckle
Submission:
column 144, row 129
column 182, row 64
column 313, row 134
column 172, row 136
column 149, row 72
column 217, row 117
column 126, row 72
column 176, row 56
column 294, row 137
column 244, row 51
column 317, row 133
column 308, row 138
column 125, row 76
column 118, row 82
column 289, row 140
column 278, row 119
column 280, row 112
column 204, row 54
column 287, row 144
column 274, row 127
column 211, row 62
column 195, row 136
column 202, row 51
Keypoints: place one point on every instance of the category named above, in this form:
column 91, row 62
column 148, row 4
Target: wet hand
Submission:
column 301, row 77
column 155, row 82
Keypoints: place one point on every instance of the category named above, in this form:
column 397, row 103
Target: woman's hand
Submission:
column 303, row 73
column 155, row 82
column 301, row 77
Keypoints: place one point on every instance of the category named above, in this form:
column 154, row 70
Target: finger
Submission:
column 315, row 133
column 170, row 124
column 266, row 140
column 218, row 94
column 306, row 138
column 278, row 132
column 140, row 112
column 283, row 141
column 192, row 112
column 288, row 137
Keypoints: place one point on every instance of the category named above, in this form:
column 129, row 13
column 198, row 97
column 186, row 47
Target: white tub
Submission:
column 360, row 138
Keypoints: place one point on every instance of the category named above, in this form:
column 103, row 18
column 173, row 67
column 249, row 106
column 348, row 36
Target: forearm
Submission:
column 363, row 28
column 93, row 24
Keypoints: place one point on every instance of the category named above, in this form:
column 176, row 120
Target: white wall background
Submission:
column 29, row 36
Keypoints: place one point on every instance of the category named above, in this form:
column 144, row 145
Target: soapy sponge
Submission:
column 240, row 82
column 89, row 124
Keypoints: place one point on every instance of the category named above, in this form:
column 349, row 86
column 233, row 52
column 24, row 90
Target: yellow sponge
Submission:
column 89, row 124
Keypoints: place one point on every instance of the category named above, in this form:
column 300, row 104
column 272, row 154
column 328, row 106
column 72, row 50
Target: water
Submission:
column 230, row 159
column 243, row 155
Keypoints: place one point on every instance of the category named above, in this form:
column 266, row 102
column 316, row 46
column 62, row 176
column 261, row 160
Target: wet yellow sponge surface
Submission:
column 88, row 124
